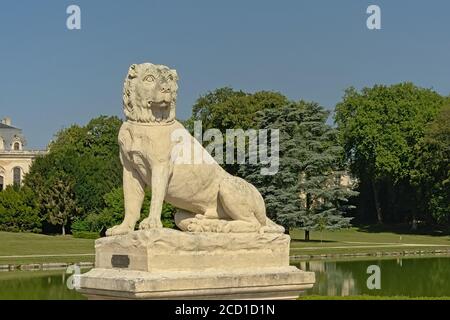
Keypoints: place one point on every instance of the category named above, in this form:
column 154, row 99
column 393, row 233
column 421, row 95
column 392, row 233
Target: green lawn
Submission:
column 34, row 245
column 351, row 241
column 359, row 240
column 370, row 298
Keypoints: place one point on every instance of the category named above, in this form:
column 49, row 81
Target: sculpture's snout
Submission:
column 165, row 88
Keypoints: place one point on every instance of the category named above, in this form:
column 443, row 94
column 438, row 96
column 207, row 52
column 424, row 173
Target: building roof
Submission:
column 4, row 126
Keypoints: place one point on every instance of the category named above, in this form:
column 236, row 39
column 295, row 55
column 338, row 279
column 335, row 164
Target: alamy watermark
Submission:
column 73, row 282
column 73, row 21
column 374, row 280
column 374, row 20
column 254, row 147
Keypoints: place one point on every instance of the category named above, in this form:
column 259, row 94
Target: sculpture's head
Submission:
column 150, row 93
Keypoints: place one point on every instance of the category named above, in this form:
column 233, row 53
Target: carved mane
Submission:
column 133, row 108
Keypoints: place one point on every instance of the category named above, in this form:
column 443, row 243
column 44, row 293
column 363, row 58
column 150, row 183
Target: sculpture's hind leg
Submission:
column 188, row 221
column 183, row 219
column 210, row 213
column 241, row 201
column 241, row 209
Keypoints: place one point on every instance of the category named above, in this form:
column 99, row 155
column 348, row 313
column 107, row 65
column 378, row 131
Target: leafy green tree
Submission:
column 432, row 169
column 306, row 192
column 379, row 129
column 58, row 202
column 88, row 156
column 19, row 211
column 225, row 108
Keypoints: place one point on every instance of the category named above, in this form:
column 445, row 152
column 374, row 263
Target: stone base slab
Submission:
column 265, row 283
column 169, row 264
column 164, row 250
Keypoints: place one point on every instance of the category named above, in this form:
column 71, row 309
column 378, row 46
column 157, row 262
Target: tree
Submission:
column 88, row 156
column 58, row 202
column 432, row 168
column 19, row 211
column 225, row 108
column 305, row 193
column 379, row 129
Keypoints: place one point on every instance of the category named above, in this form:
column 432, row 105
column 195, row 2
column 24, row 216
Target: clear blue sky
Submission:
column 51, row 77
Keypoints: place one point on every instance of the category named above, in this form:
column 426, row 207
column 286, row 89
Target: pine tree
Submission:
column 306, row 192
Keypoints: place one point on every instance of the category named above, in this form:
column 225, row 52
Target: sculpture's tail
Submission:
column 271, row 227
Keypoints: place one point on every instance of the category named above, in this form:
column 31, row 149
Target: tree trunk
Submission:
column 306, row 235
column 414, row 224
column 414, row 221
column 63, row 230
column 377, row 203
column 308, row 208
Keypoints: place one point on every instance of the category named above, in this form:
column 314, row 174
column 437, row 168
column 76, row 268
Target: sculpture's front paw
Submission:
column 150, row 223
column 118, row 230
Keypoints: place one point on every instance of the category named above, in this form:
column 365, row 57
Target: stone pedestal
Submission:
column 169, row 264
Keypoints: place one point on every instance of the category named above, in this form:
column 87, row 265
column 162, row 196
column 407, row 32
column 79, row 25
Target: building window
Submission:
column 16, row 146
column 2, row 145
column 17, row 173
column 2, row 183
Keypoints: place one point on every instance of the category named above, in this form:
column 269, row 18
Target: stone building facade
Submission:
column 15, row 159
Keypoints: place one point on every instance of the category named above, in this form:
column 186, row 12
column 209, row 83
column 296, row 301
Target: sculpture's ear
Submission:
column 175, row 74
column 132, row 72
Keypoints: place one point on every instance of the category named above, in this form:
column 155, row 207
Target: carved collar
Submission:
column 151, row 124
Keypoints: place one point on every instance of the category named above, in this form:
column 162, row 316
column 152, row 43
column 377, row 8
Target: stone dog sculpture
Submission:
column 208, row 199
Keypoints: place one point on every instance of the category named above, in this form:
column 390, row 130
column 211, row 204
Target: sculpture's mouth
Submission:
column 160, row 110
column 158, row 104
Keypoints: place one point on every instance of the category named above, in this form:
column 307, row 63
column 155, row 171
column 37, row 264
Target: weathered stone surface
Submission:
column 169, row 264
column 264, row 283
column 34, row 266
column 170, row 250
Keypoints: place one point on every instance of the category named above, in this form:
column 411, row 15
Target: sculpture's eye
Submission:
column 149, row 78
column 170, row 78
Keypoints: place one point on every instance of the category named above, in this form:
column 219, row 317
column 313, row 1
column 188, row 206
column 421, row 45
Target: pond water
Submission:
column 36, row 285
column 409, row 277
column 412, row 277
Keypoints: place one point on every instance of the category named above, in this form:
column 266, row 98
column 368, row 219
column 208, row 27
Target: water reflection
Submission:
column 36, row 285
column 418, row 277
column 413, row 277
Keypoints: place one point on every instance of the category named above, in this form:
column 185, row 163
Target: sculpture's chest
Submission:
column 143, row 145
